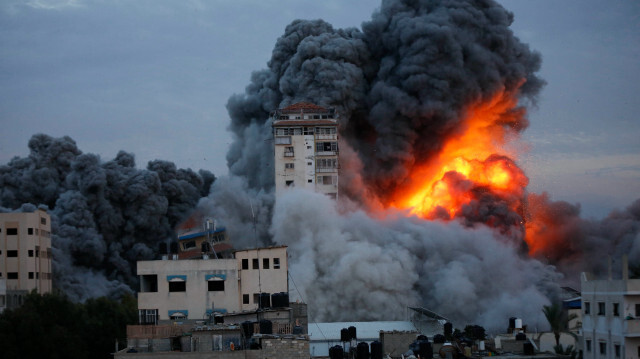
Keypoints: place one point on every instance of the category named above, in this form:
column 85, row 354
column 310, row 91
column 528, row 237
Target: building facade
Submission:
column 196, row 289
column 611, row 317
column 25, row 254
column 306, row 148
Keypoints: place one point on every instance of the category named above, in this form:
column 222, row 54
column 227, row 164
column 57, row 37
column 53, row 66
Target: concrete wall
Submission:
column 33, row 245
column 272, row 348
column 197, row 298
column 271, row 280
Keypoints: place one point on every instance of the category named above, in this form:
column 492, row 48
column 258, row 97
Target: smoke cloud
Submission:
column 105, row 215
column 401, row 85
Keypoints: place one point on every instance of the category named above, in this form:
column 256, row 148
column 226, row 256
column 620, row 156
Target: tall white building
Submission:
column 306, row 148
column 25, row 254
column 611, row 317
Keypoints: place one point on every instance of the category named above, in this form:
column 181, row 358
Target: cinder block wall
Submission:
column 285, row 348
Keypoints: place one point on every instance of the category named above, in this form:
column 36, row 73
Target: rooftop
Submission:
column 303, row 107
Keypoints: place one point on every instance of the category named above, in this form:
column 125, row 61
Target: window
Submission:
column 245, row 263
column 12, row 275
column 149, row 283
column 289, row 183
column 288, row 166
column 308, row 147
column 288, row 151
column 587, row 344
column 255, row 263
column 309, row 163
column 256, row 298
column 30, row 252
column 603, row 348
column 148, row 316
column 328, row 180
column 601, row 310
column 188, row 245
column 326, row 146
column 43, row 220
column 309, row 181
column 178, row 286
column 37, row 251
column 283, row 140
column 276, row 263
column 616, row 309
column 587, row 308
column 245, row 299
column 12, row 231
column 29, row 231
column 327, row 163
column 12, row 253
column 216, row 285
column 637, row 310
column 265, row 263
column 616, row 348
column 30, row 275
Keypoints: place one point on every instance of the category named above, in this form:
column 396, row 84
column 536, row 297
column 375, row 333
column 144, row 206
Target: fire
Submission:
column 473, row 160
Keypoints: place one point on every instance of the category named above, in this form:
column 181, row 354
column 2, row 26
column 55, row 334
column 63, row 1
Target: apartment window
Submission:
column 12, row 253
column 289, row 183
column 616, row 309
column 288, row 166
column 616, row 348
column 148, row 316
column 328, row 179
column 29, row 231
column 276, row 263
column 245, row 299
column 12, row 275
column 265, row 263
column 43, row 220
column 637, row 310
column 326, row 146
column 149, row 283
column 308, row 147
column 309, row 181
column 256, row 298
column 30, row 275
column 603, row 348
column 216, row 285
column 327, row 163
column 30, row 252
column 12, row 231
column 255, row 263
column 37, row 251
column 587, row 344
column 601, row 310
column 288, row 151
column 177, row 286
column 245, row 263
column 283, row 140
column 188, row 245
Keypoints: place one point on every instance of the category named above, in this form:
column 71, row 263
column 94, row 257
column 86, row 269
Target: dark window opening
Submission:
column 616, row 309
column 149, row 283
column 216, row 286
column 177, row 286
column 245, row 299
column 265, row 263
column 12, row 275
column 188, row 245
column 255, row 264
column 256, row 298
column 29, row 230
column 12, row 231
column 245, row 263
column 603, row 348
column 276, row 263
column 12, row 253
column 637, row 310
column 289, row 183
column 30, row 275
column 601, row 308
column 588, row 345
column 43, row 220
column 617, row 350
column 587, row 308
column 30, row 252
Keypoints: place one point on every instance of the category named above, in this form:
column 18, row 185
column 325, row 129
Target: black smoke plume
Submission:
column 106, row 215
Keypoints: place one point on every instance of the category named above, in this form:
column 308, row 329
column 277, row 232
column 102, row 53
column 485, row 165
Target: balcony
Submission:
column 631, row 327
column 326, row 170
column 327, row 153
column 327, row 137
column 288, row 154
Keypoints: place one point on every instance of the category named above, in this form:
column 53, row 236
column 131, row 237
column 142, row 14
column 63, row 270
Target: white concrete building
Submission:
column 193, row 289
column 611, row 316
column 25, row 254
column 306, row 148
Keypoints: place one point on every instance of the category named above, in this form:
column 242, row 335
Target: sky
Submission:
column 152, row 77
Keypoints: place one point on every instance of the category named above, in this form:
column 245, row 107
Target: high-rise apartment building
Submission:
column 306, row 148
column 25, row 254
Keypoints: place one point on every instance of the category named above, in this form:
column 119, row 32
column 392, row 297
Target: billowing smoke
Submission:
column 402, row 85
column 105, row 215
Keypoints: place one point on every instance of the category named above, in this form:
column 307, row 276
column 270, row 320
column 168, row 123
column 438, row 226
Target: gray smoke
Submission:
column 105, row 215
column 401, row 86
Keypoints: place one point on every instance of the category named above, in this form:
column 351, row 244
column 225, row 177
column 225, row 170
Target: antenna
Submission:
column 255, row 235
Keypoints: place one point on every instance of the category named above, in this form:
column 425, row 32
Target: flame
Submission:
column 473, row 158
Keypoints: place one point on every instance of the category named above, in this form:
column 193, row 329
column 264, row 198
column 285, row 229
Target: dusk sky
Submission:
column 153, row 78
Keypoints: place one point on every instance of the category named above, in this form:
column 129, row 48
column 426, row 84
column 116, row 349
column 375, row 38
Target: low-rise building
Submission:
column 198, row 289
column 611, row 316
